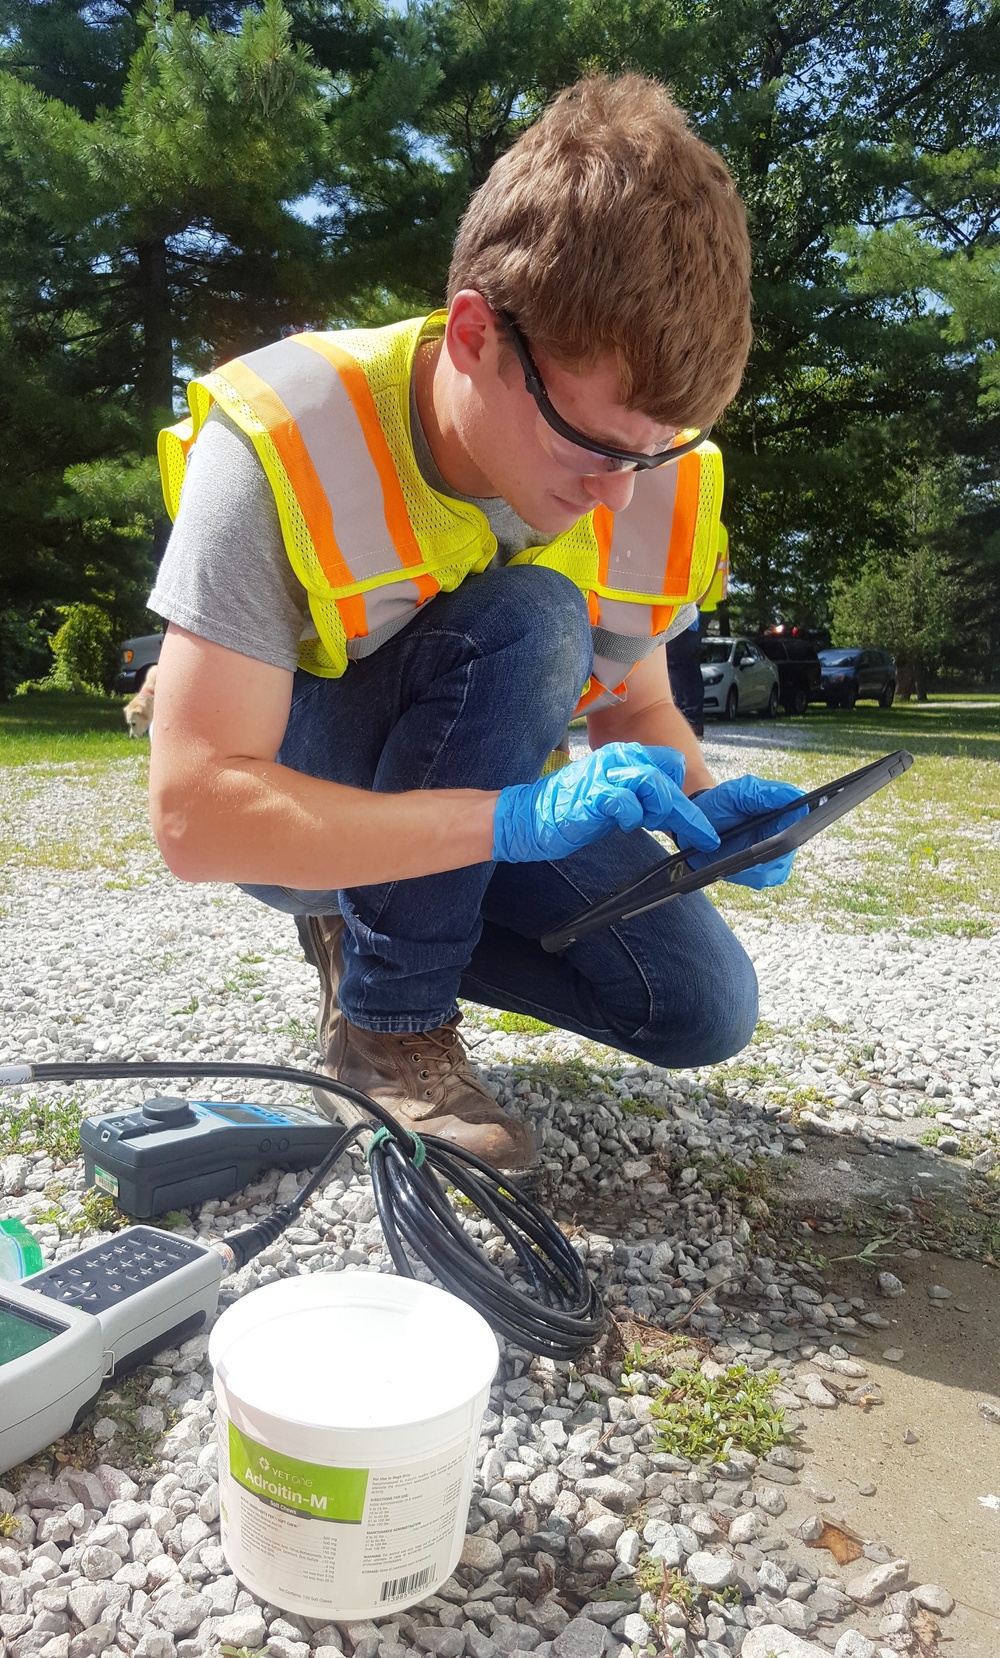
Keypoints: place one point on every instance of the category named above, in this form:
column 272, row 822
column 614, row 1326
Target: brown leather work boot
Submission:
column 425, row 1080
column 321, row 937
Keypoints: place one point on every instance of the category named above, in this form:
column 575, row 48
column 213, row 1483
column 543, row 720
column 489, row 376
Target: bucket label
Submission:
column 309, row 1489
column 399, row 1529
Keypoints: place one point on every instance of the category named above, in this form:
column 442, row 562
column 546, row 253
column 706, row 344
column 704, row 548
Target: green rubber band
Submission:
column 385, row 1133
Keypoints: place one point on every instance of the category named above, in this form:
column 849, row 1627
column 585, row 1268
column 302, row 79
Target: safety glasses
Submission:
column 574, row 449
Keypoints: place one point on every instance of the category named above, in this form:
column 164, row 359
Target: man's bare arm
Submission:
column 650, row 715
column 224, row 810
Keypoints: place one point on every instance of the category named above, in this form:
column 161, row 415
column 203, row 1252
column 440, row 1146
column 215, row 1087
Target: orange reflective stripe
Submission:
column 677, row 573
column 354, row 615
column 296, row 461
column 397, row 518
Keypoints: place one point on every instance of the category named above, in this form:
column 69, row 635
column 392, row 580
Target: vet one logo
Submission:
column 283, row 1474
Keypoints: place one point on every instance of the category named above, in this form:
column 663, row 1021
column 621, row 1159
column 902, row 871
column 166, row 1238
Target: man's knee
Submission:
column 547, row 627
column 718, row 1014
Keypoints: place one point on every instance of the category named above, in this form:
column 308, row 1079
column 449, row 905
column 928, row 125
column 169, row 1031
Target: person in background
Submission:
column 713, row 608
column 686, row 684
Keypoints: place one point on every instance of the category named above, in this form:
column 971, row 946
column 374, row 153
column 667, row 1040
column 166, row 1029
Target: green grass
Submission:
column 943, row 726
column 53, row 1128
column 84, row 814
column 924, row 853
column 515, row 1024
column 132, row 1448
column 56, row 726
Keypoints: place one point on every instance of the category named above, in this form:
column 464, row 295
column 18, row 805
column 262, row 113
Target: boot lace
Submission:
column 439, row 1054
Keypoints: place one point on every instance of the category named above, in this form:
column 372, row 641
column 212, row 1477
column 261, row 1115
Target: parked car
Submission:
column 800, row 676
column 137, row 657
column 738, row 678
column 850, row 674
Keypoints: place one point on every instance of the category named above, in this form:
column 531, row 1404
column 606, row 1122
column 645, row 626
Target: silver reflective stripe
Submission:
column 624, row 648
column 608, row 672
column 640, row 538
column 316, row 398
column 369, row 642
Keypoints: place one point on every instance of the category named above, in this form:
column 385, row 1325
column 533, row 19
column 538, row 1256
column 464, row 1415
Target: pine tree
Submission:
column 145, row 240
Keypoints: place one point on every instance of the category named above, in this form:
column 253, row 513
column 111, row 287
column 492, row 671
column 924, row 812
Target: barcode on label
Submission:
column 393, row 1587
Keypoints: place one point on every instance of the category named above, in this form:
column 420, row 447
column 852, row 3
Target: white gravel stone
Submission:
column 852, row 1644
column 890, row 1285
column 155, row 1643
column 628, row 1548
column 98, row 1563
column 482, row 1554
column 871, row 1587
column 612, row 1493
column 180, row 1611
column 745, row 1528
column 712, row 1571
column 933, row 1598
column 602, row 1532
column 582, row 1638
column 771, row 1640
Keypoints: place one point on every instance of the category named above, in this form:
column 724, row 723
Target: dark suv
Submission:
column 851, row 674
column 800, row 676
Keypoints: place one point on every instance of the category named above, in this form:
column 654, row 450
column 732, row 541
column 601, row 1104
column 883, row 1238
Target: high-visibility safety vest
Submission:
column 370, row 540
column 718, row 593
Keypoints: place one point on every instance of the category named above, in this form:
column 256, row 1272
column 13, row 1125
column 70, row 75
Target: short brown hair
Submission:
column 609, row 226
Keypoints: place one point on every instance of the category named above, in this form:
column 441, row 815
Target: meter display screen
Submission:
column 20, row 1334
column 241, row 1113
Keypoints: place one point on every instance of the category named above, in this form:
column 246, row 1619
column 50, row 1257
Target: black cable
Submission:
column 557, row 1313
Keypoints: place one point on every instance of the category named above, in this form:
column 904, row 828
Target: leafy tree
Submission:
column 910, row 600
column 831, row 116
column 905, row 603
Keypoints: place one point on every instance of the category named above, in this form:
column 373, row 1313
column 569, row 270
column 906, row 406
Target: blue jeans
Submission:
column 475, row 693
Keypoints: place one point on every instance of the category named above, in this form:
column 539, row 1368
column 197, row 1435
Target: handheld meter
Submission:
column 64, row 1331
column 171, row 1153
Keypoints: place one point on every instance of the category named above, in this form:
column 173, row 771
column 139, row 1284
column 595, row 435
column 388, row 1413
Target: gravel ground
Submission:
column 578, row 1512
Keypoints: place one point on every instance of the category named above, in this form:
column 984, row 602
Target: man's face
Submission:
column 503, row 434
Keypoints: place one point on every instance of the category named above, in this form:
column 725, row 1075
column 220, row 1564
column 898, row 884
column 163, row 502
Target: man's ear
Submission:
column 472, row 335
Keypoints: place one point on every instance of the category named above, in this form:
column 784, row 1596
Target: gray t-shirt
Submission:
column 225, row 575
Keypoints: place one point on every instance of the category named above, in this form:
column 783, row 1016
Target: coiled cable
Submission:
column 552, row 1307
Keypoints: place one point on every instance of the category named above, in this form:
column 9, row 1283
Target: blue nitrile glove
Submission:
column 728, row 804
column 619, row 786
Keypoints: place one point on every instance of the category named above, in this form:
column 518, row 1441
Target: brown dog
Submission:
column 139, row 712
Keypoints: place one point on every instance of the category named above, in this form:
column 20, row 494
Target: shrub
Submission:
column 85, row 652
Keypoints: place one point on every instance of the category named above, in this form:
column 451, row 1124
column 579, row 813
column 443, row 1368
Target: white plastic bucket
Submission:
column 350, row 1406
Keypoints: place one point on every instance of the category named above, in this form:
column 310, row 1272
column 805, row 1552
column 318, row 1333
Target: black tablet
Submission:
column 673, row 876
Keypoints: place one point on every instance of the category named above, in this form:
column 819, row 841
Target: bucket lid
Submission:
column 353, row 1351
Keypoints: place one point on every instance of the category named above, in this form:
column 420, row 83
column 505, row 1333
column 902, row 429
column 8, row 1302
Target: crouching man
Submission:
column 402, row 560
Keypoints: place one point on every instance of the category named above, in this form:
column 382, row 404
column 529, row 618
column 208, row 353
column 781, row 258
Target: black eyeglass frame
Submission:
column 536, row 387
